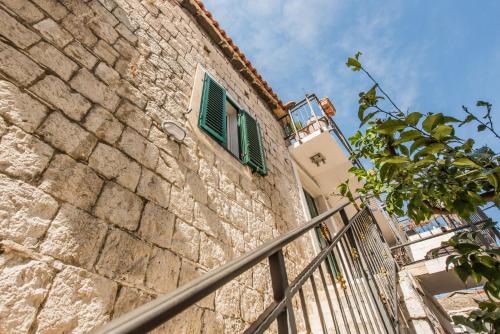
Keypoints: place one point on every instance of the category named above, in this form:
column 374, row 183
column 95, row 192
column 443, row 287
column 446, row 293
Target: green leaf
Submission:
column 463, row 271
column 431, row 149
column 390, row 126
column 394, row 160
column 417, row 144
column 465, row 162
column 361, row 111
column 442, row 131
column 481, row 127
column 492, row 179
column 408, row 136
column 368, row 117
column 468, row 119
column 353, row 63
column 413, row 118
column 466, row 248
column 483, row 104
column 432, row 121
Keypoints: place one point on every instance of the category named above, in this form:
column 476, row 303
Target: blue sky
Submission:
column 432, row 57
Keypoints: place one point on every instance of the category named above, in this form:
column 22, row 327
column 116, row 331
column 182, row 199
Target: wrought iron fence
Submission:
column 353, row 280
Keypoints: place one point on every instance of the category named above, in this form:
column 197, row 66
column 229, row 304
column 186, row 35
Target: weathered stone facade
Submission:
column 99, row 210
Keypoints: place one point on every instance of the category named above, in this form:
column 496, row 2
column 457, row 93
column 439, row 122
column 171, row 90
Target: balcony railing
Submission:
column 439, row 226
column 353, row 281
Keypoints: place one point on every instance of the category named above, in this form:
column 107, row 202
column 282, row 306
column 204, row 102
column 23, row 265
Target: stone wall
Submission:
column 99, row 210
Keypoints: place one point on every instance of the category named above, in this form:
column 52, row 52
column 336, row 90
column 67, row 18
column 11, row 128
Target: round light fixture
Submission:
column 174, row 131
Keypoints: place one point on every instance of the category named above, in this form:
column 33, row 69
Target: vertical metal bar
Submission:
column 318, row 304
column 396, row 319
column 330, row 305
column 279, row 282
column 304, row 310
column 351, row 262
column 350, row 305
column 368, row 276
column 379, row 286
column 348, row 274
column 337, row 296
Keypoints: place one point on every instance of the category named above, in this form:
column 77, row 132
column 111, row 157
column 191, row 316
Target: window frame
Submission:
column 239, row 113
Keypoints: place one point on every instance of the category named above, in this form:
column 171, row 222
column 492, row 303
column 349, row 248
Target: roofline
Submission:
column 237, row 59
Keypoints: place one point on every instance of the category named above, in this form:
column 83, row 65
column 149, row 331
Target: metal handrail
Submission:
column 152, row 314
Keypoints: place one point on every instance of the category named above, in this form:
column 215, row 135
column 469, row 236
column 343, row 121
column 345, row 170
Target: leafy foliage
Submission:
column 420, row 168
column 472, row 261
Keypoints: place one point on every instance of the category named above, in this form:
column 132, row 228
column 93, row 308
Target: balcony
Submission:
column 316, row 144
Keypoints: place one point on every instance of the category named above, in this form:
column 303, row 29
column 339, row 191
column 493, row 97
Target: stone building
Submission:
column 100, row 209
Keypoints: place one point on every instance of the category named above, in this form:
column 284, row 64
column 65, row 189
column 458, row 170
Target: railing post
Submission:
column 279, row 281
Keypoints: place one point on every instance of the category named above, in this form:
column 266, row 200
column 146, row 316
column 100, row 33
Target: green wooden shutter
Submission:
column 212, row 117
column 251, row 143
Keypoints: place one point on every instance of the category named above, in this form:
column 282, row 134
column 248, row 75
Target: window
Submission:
column 232, row 127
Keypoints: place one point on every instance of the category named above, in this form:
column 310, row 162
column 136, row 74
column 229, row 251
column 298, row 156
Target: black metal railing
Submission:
column 353, row 280
column 452, row 225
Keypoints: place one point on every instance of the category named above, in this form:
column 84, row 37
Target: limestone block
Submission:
column 227, row 300
column 243, row 199
column 157, row 225
column 25, row 211
column 16, row 32
column 154, row 188
column 103, row 124
column 79, row 54
column 78, row 302
column 103, row 30
column 92, row 88
column 160, row 139
column 232, row 325
column 187, row 322
column 57, row 93
column 105, row 52
column 3, row 127
column 53, row 59
column 139, row 148
column 17, row 66
column 53, row 33
column 75, row 24
column 102, row 13
column 24, row 284
column 235, row 237
column 129, row 299
column 186, row 240
column 124, row 258
column 182, row 203
column 72, row 182
column 191, row 271
column 208, row 174
column 107, row 74
column 123, row 17
column 135, row 118
column 238, row 217
column 67, row 136
column 20, row 108
column 53, row 7
column 227, row 186
column 126, row 50
column 163, row 270
column 207, row 221
column 189, row 158
column 213, row 253
column 26, row 10
column 22, row 155
column 74, row 237
column 125, row 32
column 212, row 323
column 197, row 188
column 261, row 278
column 115, row 165
column 119, row 206
column 126, row 90
column 252, row 304
column 169, row 168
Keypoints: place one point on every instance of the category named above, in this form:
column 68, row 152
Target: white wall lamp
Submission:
column 174, row 131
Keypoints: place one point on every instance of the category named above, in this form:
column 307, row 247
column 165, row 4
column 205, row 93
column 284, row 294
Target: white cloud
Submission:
column 302, row 46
